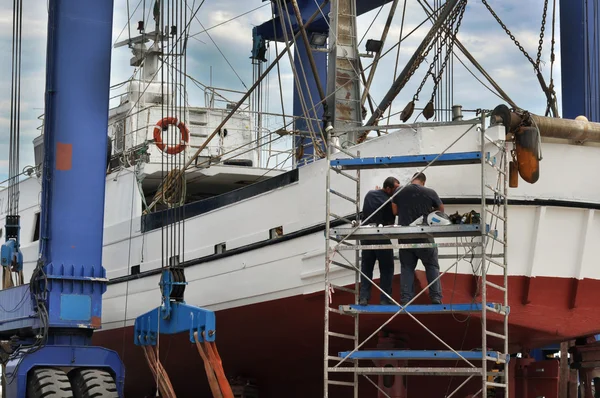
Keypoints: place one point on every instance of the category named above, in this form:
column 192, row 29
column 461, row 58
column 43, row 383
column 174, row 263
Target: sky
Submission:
column 479, row 32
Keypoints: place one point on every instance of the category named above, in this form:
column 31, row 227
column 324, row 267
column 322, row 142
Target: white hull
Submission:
column 550, row 241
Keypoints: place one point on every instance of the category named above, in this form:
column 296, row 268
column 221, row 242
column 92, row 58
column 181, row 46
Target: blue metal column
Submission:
column 301, row 124
column 580, row 58
column 76, row 119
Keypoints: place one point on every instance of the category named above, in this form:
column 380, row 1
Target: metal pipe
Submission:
column 412, row 64
column 577, row 130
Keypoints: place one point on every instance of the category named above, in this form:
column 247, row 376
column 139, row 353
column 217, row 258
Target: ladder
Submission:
column 485, row 241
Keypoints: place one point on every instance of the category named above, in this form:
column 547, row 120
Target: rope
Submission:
column 172, row 190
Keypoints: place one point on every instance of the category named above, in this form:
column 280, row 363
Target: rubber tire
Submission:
column 93, row 383
column 48, row 383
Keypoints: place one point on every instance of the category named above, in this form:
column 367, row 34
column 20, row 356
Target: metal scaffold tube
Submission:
column 488, row 230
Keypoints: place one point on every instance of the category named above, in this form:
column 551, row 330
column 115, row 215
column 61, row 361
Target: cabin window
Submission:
column 275, row 233
column 220, row 248
column 36, row 229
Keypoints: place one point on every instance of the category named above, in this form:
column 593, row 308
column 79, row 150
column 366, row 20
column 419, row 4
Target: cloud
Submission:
column 479, row 32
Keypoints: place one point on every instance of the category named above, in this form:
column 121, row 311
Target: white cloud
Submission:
column 479, row 33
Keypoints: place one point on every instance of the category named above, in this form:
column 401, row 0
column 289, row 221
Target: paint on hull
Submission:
column 279, row 343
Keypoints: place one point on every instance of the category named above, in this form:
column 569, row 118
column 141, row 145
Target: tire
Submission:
column 93, row 383
column 48, row 383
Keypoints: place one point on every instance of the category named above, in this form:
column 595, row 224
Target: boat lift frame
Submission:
column 492, row 229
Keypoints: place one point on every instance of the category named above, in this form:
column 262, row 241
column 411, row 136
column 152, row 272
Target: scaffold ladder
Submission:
column 487, row 241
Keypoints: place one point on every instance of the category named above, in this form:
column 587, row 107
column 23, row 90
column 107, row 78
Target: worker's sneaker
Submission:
column 436, row 301
column 363, row 301
column 385, row 301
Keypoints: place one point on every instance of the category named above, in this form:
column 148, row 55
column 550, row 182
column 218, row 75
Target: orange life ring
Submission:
column 162, row 126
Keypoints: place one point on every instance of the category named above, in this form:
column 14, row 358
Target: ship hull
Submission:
column 267, row 290
column 279, row 343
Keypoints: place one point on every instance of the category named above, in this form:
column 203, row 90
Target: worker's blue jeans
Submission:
column 408, row 263
column 386, row 269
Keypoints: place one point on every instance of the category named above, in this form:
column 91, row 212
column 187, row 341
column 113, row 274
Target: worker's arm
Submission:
column 437, row 202
column 395, row 209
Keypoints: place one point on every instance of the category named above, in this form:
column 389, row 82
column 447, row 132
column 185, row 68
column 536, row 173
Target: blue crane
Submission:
column 49, row 322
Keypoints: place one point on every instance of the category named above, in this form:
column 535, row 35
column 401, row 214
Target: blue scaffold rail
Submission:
column 424, row 355
column 446, row 159
column 400, row 232
column 421, row 308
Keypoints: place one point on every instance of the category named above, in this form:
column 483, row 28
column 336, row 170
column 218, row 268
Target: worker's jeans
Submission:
column 408, row 263
column 386, row 269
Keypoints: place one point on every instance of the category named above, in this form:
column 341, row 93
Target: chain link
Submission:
column 449, row 33
column 438, row 78
column 420, row 59
column 509, row 33
column 541, row 42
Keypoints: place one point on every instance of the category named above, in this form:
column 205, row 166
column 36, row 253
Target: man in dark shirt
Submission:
column 373, row 200
column 412, row 202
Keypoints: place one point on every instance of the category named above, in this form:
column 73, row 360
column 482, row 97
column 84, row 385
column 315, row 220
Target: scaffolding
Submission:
column 347, row 233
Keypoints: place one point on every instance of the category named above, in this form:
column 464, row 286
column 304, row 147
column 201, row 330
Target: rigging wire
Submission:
column 397, row 53
column 229, row 20
column 295, row 73
column 223, row 55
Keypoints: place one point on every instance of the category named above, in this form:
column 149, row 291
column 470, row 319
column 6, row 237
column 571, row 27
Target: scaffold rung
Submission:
column 492, row 284
column 421, row 355
column 417, row 371
column 497, row 335
column 343, row 289
column 341, row 335
column 341, row 195
column 340, row 383
column 493, row 384
column 340, row 172
column 415, row 309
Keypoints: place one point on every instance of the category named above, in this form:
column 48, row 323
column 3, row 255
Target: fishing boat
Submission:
column 246, row 217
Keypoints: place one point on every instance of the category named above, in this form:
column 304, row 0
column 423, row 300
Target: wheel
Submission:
column 93, row 383
column 48, row 383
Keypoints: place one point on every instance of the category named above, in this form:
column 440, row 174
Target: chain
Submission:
column 508, row 32
column 448, row 29
column 420, row 59
column 539, row 53
column 438, row 78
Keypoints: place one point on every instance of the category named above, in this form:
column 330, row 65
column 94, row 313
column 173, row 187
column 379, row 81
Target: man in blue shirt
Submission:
column 373, row 200
column 412, row 202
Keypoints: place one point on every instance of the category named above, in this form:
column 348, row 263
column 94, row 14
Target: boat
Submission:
column 249, row 232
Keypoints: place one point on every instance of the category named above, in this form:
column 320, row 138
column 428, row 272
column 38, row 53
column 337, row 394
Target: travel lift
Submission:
column 47, row 325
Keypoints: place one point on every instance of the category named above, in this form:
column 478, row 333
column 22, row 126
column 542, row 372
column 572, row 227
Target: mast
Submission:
column 343, row 74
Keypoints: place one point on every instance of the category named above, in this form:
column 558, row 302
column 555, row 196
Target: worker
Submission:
column 374, row 199
column 412, row 202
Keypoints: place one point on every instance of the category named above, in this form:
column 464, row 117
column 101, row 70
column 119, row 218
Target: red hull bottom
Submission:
column 279, row 343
